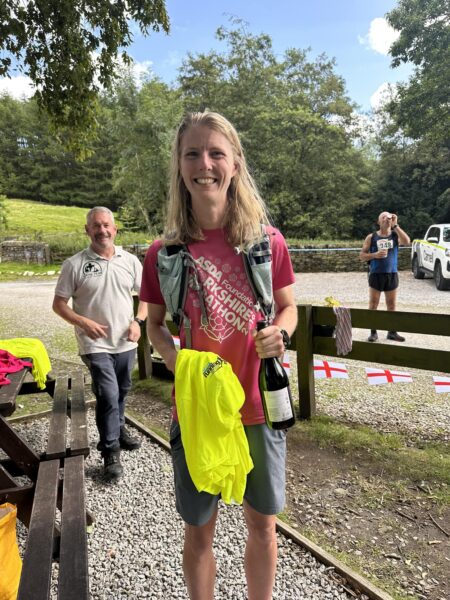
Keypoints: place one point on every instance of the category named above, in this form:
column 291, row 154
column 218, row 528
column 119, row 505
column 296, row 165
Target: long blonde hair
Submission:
column 245, row 208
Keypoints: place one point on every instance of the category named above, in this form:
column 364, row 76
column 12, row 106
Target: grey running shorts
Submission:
column 265, row 491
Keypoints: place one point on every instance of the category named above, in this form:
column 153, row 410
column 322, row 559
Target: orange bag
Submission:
column 10, row 561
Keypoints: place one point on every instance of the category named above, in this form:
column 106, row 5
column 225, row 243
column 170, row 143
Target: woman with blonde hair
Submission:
column 245, row 209
column 216, row 210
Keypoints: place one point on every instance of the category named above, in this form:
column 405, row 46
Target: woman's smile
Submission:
column 205, row 180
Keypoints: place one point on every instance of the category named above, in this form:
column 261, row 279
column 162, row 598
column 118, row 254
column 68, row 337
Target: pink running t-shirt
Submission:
column 229, row 304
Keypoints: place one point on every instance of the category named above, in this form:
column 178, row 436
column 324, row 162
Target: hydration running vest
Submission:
column 174, row 262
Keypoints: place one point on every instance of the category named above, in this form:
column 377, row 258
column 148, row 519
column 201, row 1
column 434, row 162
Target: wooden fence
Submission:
column 309, row 340
column 306, row 344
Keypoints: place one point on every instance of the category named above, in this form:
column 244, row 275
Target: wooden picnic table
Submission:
column 8, row 393
column 55, row 483
column 21, row 458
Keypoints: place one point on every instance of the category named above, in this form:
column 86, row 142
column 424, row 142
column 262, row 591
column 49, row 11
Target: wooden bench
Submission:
column 21, row 457
column 59, row 484
column 8, row 393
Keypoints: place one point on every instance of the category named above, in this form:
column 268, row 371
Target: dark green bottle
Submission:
column 275, row 391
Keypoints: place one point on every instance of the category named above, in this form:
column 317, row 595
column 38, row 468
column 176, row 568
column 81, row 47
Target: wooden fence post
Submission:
column 305, row 362
column 144, row 351
column 144, row 354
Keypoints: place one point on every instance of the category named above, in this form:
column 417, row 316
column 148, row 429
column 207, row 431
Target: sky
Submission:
column 353, row 32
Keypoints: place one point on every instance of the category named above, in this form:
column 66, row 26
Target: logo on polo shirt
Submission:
column 92, row 268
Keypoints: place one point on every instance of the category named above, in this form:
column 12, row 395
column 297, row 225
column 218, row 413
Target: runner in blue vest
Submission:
column 381, row 250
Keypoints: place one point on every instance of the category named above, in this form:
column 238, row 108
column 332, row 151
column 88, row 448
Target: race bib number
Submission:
column 385, row 244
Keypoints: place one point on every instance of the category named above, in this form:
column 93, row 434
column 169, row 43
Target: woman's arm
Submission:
column 160, row 336
column 269, row 341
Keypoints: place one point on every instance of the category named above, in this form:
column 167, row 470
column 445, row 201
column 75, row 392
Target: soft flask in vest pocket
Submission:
column 171, row 270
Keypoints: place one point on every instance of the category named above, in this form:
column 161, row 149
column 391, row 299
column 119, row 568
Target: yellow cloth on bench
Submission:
column 34, row 349
column 10, row 561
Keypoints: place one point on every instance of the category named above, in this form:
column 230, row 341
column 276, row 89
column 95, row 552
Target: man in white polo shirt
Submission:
column 100, row 281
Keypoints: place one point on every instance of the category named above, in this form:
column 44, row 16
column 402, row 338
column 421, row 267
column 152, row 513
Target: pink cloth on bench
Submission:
column 10, row 364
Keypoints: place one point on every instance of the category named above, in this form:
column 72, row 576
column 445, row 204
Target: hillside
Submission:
column 62, row 227
column 26, row 217
column 48, row 221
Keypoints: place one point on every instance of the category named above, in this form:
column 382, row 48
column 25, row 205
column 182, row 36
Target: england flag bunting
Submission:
column 441, row 384
column 380, row 376
column 324, row 369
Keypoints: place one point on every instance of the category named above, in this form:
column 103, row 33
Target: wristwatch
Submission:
column 394, row 226
column 139, row 321
column 286, row 338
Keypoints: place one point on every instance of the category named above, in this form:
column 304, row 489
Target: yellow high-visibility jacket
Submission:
column 34, row 349
column 208, row 397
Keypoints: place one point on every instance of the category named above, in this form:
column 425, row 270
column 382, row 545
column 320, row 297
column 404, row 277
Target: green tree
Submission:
column 3, row 213
column 11, row 130
column 144, row 122
column 64, row 47
column 294, row 119
column 35, row 165
column 422, row 107
column 410, row 178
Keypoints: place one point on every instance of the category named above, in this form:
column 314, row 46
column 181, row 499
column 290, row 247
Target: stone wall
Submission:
column 304, row 260
column 26, row 252
column 313, row 260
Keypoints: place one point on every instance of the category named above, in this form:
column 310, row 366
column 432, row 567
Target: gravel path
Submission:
column 25, row 306
column 352, row 291
column 414, row 410
column 135, row 545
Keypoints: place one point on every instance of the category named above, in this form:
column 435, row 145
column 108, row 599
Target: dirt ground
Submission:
column 349, row 505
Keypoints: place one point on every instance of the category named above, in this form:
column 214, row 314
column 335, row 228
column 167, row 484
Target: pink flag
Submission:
column 441, row 384
column 324, row 369
column 380, row 376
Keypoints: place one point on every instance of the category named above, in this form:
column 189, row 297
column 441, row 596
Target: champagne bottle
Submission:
column 275, row 392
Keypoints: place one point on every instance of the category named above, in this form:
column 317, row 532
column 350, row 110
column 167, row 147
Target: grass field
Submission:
column 62, row 227
column 11, row 271
column 26, row 217
column 54, row 223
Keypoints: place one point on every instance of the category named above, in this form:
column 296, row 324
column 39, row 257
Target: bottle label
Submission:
column 278, row 405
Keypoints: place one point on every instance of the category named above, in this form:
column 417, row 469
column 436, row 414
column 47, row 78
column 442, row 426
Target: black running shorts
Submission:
column 383, row 282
